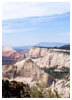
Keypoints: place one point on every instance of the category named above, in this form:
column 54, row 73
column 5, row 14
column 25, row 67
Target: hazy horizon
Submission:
column 35, row 44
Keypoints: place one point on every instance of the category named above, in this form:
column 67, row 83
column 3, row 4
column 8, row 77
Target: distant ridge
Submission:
column 66, row 47
column 50, row 44
column 8, row 48
column 41, row 44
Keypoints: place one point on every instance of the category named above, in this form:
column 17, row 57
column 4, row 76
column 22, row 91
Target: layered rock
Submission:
column 43, row 51
column 45, row 57
column 12, row 55
column 43, row 65
column 25, row 70
column 7, row 60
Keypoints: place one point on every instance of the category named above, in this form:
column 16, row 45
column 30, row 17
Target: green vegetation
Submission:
column 57, row 73
column 51, row 94
column 35, row 92
column 15, row 89
column 40, row 91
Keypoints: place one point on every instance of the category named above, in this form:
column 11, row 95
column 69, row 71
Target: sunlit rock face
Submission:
column 50, row 67
column 25, row 69
column 45, row 57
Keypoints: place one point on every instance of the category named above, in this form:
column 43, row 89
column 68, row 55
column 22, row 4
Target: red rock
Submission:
column 11, row 54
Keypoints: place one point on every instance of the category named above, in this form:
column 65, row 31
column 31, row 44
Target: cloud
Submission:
column 24, row 10
column 6, row 31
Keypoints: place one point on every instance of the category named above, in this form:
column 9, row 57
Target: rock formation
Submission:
column 45, row 66
column 11, row 56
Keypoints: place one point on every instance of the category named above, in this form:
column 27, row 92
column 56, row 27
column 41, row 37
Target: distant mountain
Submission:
column 9, row 55
column 66, row 47
column 8, row 49
column 22, row 48
column 50, row 44
column 41, row 44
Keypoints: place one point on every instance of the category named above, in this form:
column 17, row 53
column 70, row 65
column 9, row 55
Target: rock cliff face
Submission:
column 43, row 51
column 48, row 66
column 10, row 56
column 45, row 57
column 25, row 70
column 7, row 60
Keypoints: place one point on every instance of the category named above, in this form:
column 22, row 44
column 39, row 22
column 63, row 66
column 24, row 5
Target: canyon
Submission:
column 48, row 66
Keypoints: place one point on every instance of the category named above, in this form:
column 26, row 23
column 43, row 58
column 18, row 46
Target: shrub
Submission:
column 14, row 89
column 51, row 94
column 34, row 92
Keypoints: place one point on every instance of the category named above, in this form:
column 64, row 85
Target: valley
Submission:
column 49, row 67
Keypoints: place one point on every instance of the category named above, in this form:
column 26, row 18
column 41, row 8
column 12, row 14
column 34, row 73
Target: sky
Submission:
column 31, row 23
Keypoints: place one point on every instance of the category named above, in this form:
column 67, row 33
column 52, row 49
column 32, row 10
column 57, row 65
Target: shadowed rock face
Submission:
column 25, row 69
column 43, row 65
column 10, row 56
column 7, row 60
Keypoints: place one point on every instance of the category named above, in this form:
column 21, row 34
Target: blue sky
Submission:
column 31, row 23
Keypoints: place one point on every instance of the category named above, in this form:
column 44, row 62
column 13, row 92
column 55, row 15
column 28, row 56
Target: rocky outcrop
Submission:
column 10, row 56
column 45, row 57
column 10, row 53
column 25, row 70
column 45, row 66
column 7, row 60
column 43, row 51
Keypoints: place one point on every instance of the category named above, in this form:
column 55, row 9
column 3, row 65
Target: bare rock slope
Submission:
column 10, row 56
column 48, row 66
column 45, row 57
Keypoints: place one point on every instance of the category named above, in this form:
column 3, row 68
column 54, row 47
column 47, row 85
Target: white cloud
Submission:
column 22, row 10
column 8, row 31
